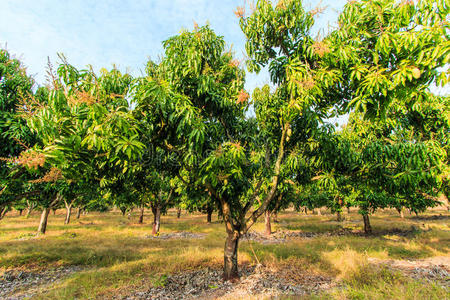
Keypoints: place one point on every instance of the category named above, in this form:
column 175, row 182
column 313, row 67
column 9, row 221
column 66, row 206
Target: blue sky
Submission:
column 125, row 33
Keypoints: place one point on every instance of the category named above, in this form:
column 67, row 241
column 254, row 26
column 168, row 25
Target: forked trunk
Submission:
column 141, row 216
column 43, row 222
column 68, row 214
column 78, row 212
column 156, row 219
column 178, row 213
column 209, row 212
column 367, row 227
column 230, row 267
column 29, row 210
column 339, row 216
column 267, row 221
column 30, row 207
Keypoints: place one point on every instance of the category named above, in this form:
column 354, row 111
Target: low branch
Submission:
column 257, row 213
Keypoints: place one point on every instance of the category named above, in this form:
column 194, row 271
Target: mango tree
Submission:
column 86, row 132
column 391, row 52
column 199, row 107
column 15, row 136
column 373, row 165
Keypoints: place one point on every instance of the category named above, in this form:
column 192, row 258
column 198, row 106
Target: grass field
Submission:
column 117, row 257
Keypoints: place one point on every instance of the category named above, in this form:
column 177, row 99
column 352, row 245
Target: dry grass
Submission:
column 118, row 257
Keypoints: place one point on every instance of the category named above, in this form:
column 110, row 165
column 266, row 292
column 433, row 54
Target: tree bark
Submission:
column 339, row 216
column 267, row 221
column 319, row 212
column 78, row 212
column 348, row 210
column 230, row 267
column 178, row 213
column 3, row 212
column 68, row 212
column 209, row 211
column 156, row 219
column 30, row 208
column 400, row 211
column 141, row 216
column 306, row 210
column 20, row 212
column 43, row 222
column 367, row 227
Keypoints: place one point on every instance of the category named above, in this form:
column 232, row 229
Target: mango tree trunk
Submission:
column 156, row 219
column 402, row 215
column 3, row 211
column 230, row 268
column 178, row 213
column 68, row 212
column 267, row 221
column 367, row 227
column 78, row 212
column 141, row 216
column 339, row 216
column 20, row 212
column 209, row 211
column 319, row 212
column 43, row 222
column 29, row 210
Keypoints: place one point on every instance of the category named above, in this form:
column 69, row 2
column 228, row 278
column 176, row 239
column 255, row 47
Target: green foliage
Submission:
column 391, row 50
column 15, row 136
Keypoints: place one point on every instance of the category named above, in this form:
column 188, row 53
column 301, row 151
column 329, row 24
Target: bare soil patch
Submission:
column 434, row 269
column 255, row 281
column 175, row 235
column 280, row 237
column 431, row 218
column 20, row 284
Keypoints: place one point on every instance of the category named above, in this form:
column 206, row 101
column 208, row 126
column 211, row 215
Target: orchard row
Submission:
column 187, row 134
